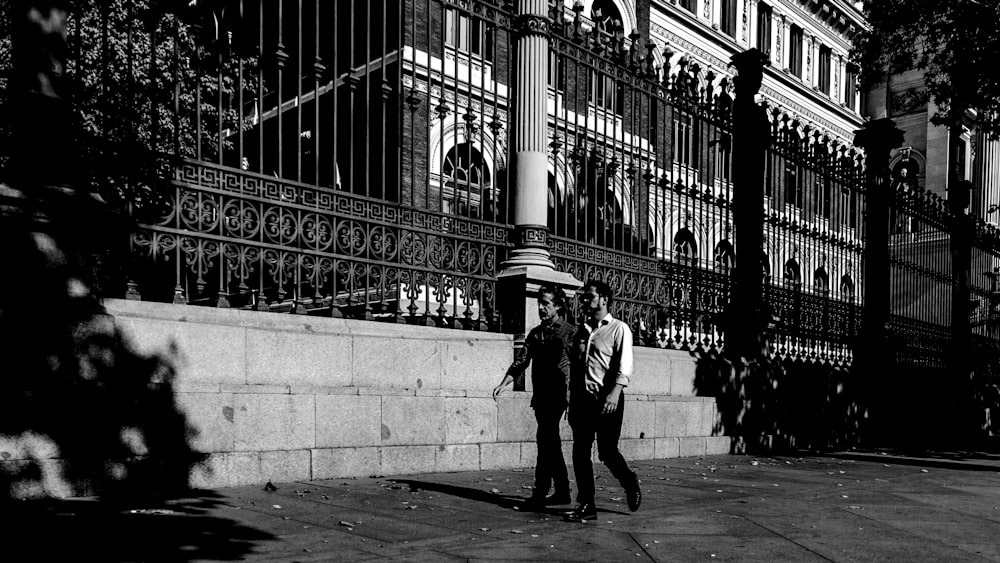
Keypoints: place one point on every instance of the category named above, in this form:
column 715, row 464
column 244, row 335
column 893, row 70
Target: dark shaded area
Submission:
column 510, row 502
column 71, row 377
column 86, row 530
column 773, row 405
column 83, row 413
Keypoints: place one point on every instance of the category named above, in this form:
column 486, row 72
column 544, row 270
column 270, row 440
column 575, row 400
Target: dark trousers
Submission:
column 550, row 467
column 587, row 421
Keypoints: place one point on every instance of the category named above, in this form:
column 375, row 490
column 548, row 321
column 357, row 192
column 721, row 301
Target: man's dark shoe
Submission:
column 535, row 501
column 583, row 513
column 559, row 498
column 634, row 494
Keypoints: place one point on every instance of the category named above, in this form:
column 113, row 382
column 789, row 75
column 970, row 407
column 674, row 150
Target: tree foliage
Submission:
column 147, row 88
column 954, row 43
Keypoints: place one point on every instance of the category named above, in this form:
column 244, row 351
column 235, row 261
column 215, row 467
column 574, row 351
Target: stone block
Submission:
column 718, row 445
column 457, row 458
column 475, row 364
column 637, row 449
column 286, row 466
column 32, row 479
column 406, row 460
column 243, row 469
column 274, row 422
column 299, row 358
column 515, row 418
column 211, row 473
column 412, row 421
column 205, row 353
column 332, row 463
column 639, row 420
column 671, row 418
column 27, row 446
column 666, row 448
column 697, row 422
column 396, row 362
column 348, row 421
column 710, row 421
column 213, row 417
column 650, row 376
column 692, row 446
column 682, row 374
column 470, row 421
column 499, row 456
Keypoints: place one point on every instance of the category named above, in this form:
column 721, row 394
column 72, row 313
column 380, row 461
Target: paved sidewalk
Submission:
column 722, row 508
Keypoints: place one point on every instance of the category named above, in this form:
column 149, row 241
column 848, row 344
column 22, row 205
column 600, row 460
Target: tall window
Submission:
column 466, row 178
column 824, row 69
column 557, row 71
column 727, row 21
column 469, row 35
column 690, row 5
column 793, row 186
column 606, row 93
column 723, row 163
column 824, row 198
column 795, row 50
column 850, row 87
column 685, row 140
column 764, row 14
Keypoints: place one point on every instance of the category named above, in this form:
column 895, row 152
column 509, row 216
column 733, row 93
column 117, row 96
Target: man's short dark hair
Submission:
column 602, row 289
column 558, row 296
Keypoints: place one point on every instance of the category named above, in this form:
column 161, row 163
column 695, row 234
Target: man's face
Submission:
column 590, row 301
column 547, row 309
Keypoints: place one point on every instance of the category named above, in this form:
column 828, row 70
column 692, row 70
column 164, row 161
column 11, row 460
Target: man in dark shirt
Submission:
column 547, row 347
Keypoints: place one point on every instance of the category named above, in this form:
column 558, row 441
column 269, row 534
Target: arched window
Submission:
column 466, row 180
column 847, row 286
column 725, row 254
column 792, row 272
column 604, row 91
column 685, row 245
column 821, row 279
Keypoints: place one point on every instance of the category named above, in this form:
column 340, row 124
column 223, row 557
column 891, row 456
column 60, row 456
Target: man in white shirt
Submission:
column 597, row 405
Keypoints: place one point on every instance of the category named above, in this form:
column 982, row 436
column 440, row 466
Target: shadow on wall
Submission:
column 81, row 412
column 772, row 405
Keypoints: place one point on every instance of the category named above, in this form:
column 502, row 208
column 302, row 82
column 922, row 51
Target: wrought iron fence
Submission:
column 334, row 158
column 350, row 158
column 641, row 195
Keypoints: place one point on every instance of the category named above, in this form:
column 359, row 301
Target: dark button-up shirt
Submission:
column 548, row 349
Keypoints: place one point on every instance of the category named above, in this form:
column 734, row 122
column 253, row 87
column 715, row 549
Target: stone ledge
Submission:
column 289, row 322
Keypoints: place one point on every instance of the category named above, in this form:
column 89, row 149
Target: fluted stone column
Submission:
column 529, row 264
column 530, row 141
column 986, row 178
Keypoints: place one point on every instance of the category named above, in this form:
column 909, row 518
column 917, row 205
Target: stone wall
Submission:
column 287, row 397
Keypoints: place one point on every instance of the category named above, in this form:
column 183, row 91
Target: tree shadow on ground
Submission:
column 98, row 530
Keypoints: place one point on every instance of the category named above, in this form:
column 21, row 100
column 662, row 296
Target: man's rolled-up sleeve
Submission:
column 623, row 342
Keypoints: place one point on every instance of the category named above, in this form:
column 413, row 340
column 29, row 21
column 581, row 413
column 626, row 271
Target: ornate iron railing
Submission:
column 234, row 238
column 641, row 196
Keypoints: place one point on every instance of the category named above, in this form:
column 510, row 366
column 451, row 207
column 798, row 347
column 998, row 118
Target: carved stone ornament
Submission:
column 530, row 24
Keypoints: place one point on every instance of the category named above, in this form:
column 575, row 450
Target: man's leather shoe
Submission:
column 634, row 494
column 535, row 501
column 583, row 513
column 559, row 498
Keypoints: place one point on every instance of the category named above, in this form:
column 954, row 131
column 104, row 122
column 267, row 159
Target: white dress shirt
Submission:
column 609, row 352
